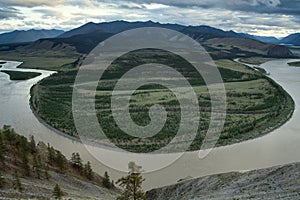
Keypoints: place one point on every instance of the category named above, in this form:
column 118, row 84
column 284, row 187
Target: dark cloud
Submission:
column 288, row 7
column 31, row 3
column 276, row 17
column 124, row 6
column 8, row 12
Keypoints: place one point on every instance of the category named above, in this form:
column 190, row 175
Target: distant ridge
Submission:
column 293, row 39
column 116, row 27
column 203, row 31
column 219, row 43
column 31, row 35
column 266, row 39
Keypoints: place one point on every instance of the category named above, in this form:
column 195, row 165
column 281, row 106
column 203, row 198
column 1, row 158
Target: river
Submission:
column 276, row 148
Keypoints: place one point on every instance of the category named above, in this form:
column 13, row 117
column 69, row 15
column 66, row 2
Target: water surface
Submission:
column 277, row 148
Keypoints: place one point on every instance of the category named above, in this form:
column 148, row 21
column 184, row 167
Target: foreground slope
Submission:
column 30, row 171
column 282, row 182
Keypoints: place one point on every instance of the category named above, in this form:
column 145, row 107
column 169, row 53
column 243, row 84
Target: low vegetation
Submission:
column 2, row 63
column 255, row 60
column 41, row 60
column 294, row 64
column 255, row 104
column 261, row 70
column 18, row 76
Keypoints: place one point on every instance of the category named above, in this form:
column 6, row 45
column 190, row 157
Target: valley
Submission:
column 262, row 102
column 252, row 98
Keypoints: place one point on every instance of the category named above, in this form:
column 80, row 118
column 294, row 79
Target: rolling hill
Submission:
column 28, row 36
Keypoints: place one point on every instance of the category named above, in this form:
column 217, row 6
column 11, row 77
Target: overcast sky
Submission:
column 261, row 17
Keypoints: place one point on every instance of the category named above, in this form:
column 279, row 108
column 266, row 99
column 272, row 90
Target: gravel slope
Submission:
column 281, row 182
column 72, row 187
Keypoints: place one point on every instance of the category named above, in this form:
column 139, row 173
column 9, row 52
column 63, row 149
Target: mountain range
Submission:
column 119, row 26
column 81, row 40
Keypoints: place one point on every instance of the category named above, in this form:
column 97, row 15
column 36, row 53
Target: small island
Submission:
column 17, row 75
column 2, row 63
column 294, row 64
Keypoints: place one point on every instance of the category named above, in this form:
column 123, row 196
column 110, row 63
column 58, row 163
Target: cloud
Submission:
column 261, row 17
column 31, row 3
column 289, row 7
column 8, row 12
column 49, row 13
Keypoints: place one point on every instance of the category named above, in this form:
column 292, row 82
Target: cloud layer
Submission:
column 261, row 17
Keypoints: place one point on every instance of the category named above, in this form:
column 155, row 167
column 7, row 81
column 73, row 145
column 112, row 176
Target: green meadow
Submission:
column 255, row 104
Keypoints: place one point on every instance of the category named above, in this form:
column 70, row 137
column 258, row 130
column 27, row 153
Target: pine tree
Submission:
column 132, row 184
column 57, row 192
column 106, row 180
column 2, row 149
column 32, row 145
column 60, row 161
column 22, row 144
column 47, row 175
column 76, row 161
column 37, row 166
column 25, row 164
column 16, row 182
column 44, row 169
column 88, row 170
column 2, row 180
column 51, row 154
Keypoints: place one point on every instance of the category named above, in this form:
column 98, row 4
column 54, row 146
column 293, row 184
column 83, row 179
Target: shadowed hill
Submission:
column 293, row 39
column 28, row 36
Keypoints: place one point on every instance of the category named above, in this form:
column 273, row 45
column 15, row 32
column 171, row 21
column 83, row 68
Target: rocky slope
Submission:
column 72, row 187
column 281, row 182
column 40, row 167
